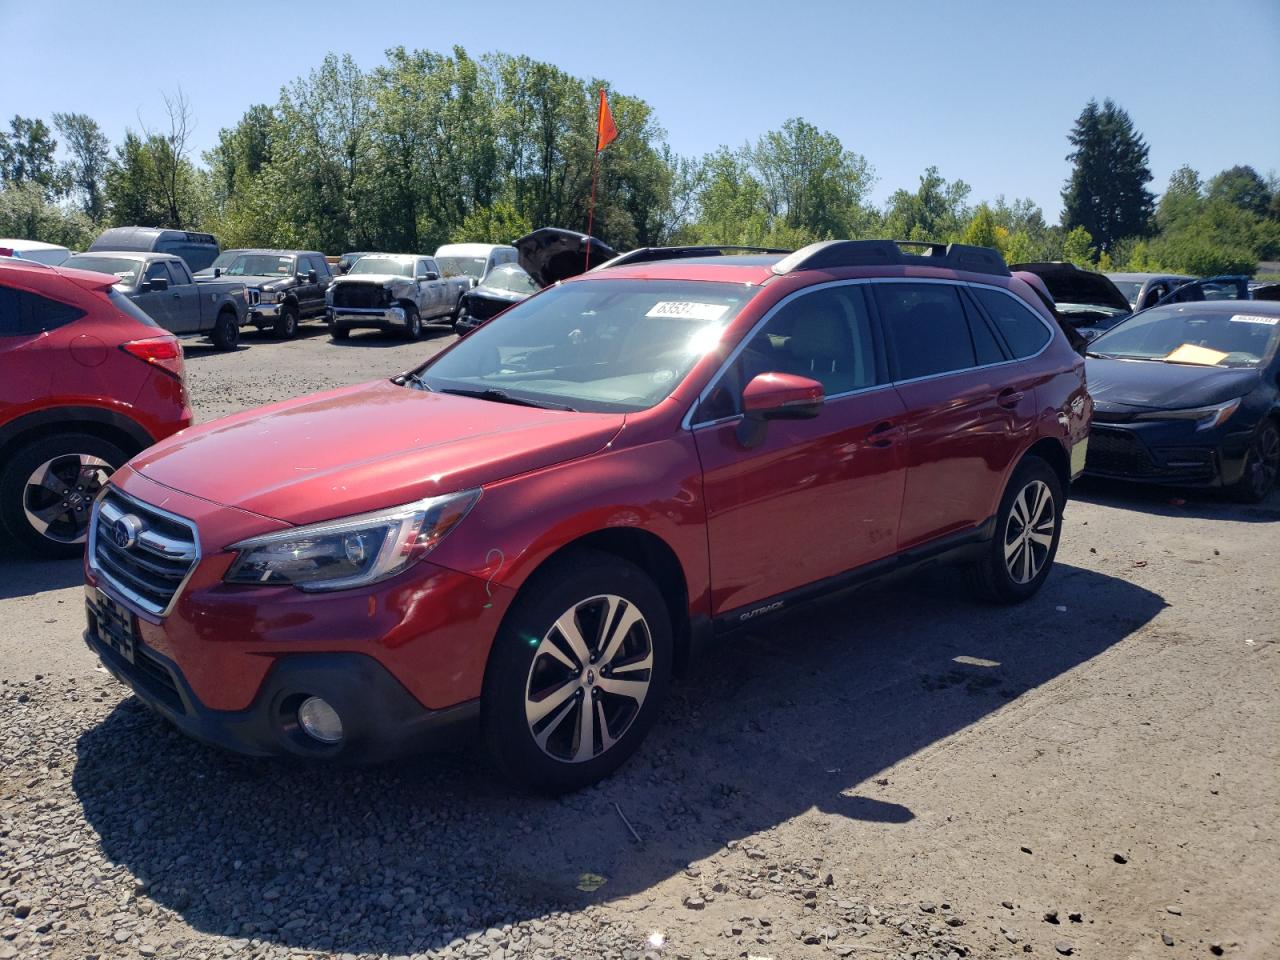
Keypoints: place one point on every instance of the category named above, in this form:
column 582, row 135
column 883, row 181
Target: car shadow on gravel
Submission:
column 23, row 575
column 381, row 339
column 1200, row 504
column 800, row 713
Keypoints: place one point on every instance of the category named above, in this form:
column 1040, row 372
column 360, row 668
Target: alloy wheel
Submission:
column 1265, row 462
column 588, row 679
column 1028, row 533
column 59, row 495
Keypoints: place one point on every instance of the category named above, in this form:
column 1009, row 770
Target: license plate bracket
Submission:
column 114, row 624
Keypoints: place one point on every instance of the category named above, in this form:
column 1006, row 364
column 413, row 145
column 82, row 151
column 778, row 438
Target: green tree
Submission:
column 1243, row 187
column 1077, row 247
column 983, row 231
column 24, row 212
column 27, row 156
column 1181, row 200
column 499, row 223
column 936, row 211
column 1106, row 192
column 90, row 151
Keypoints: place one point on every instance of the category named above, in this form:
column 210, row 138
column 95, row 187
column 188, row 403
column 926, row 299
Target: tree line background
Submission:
column 431, row 147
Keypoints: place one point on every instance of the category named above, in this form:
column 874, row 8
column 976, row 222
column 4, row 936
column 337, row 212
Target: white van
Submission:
column 473, row 260
column 47, row 253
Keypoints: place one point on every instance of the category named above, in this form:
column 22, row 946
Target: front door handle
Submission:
column 1009, row 397
column 884, row 434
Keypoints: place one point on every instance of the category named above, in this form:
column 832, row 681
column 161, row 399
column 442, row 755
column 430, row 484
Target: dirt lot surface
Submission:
column 900, row 773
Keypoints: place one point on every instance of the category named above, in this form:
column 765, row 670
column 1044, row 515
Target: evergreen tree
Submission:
column 90, row 159
column 1107, row 191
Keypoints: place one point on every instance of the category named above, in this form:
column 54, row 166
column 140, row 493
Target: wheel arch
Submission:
column 1053, row 453
column 655, row 557
column 104, row 424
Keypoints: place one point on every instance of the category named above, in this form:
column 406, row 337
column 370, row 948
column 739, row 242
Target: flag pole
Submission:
column 591, row 209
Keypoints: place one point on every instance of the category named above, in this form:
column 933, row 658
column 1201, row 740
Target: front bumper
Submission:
column 1167, row 452
column 382, row 318
column 380, row 718
column 264, row 311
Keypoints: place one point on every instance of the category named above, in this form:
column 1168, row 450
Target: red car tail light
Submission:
column 162, row 352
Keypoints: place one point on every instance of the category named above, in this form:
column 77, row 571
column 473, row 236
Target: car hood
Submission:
column 1120, row 385
column 1069, row 284
column 379, row 278
column 493, row 293
column 364, row 448
column 551, row 254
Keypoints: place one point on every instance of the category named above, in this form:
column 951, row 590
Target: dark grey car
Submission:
column 286, row 287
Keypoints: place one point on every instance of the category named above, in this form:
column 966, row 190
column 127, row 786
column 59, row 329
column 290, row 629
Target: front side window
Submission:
column 23, row 313
column 824, row 335
column 597, row 345
column 925, row 327
column 157, row 271
column 1022, row 330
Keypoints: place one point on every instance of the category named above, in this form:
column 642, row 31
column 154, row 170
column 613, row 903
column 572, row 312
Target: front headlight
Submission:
column 354, row 552
column 269, row 296
column 1205, row 417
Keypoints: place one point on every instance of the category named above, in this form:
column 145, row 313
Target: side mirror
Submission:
column 217, row 272
column 158, row 284
column 777, row 396
column 311, row 276
column 431, row 275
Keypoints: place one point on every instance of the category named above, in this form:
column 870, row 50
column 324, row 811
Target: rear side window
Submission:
column 925, row 327
column 1023, row 331
column 129, row 308
column 24, row 314
column 179, row 271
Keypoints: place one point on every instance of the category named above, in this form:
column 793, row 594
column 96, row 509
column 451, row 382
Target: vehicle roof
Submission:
column 144, row 255
column 758, row 269
column 14, row 243
column 116, row 233
column 291, row 253
column 1146, row 276
column 467, row 249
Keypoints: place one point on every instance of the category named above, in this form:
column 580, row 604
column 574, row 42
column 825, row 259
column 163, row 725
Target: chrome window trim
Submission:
column 687, row 422
column 122, row 594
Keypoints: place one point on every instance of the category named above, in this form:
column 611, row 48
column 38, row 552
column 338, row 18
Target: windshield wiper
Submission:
column 1098, row 356
column 500, row 396
column 413, row 379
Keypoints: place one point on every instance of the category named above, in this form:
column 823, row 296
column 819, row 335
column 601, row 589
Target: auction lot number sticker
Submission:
column 687, row 310
column 1254, row 318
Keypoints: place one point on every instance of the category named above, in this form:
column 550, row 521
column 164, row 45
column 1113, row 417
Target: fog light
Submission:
column 320, row 720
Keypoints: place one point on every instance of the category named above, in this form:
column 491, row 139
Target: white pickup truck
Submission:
column 393, row 292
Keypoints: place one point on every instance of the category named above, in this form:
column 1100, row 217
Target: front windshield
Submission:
column 599, row 345
column 261, row 265
column 511, row 279
column 462, row 266
column 388, row 266
column 125, row 270
column 1130, row 289
column 223, row 259
column 1190, row 334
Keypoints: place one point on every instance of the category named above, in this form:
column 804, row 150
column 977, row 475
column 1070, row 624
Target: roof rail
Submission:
column 651, row 254
column 830, row 254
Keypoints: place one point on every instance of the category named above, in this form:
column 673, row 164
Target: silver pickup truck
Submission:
column 393, row 292
column 163, row 287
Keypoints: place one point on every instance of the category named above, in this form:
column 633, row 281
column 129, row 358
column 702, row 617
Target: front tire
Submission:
column 47, row 490
column 1028, row 526
column 340, row 333
column 226, row 332
column 286, row 325
column 577, row 673
column 1261, row 465
column 412, row 323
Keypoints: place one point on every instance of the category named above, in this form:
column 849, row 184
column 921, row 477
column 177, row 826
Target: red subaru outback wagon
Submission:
column 86, row 381
column 538, row 524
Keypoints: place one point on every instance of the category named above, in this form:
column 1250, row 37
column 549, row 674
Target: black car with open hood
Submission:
column 502, row 287
column 1188, row 394
column 1088, row 301
column 551, row 254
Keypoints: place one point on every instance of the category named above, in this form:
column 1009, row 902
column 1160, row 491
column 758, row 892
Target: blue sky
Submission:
column 986, row 91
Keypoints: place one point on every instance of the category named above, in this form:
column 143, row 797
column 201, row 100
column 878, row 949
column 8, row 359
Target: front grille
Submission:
column 1118, row 452
column 484, row 308
column 144, row 553
column 361, row 296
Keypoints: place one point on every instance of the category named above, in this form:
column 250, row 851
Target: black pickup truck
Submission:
column 286, row 287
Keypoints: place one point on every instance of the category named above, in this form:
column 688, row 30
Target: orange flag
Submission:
column 606, row 131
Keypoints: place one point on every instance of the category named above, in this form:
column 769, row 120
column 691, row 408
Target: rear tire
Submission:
column 539, row 678
column 1028, row 526
column 1261, row 465
column 40, row 505
column 286, row 326
column 226, row 332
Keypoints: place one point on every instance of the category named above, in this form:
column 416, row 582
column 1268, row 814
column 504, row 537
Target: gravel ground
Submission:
column 901, row 773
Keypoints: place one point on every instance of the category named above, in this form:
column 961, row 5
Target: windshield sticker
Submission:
column 688, row 310
column 1191, row 353
column 1254, row 318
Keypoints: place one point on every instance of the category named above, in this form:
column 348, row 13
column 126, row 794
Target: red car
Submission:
column 86, row 381
column 540, row 523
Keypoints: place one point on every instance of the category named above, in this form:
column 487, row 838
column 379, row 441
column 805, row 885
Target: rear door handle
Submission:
column 884, row 434
column 1009, row 397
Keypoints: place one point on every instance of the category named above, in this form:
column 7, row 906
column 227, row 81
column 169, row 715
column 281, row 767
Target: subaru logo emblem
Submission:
column 125, row 531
